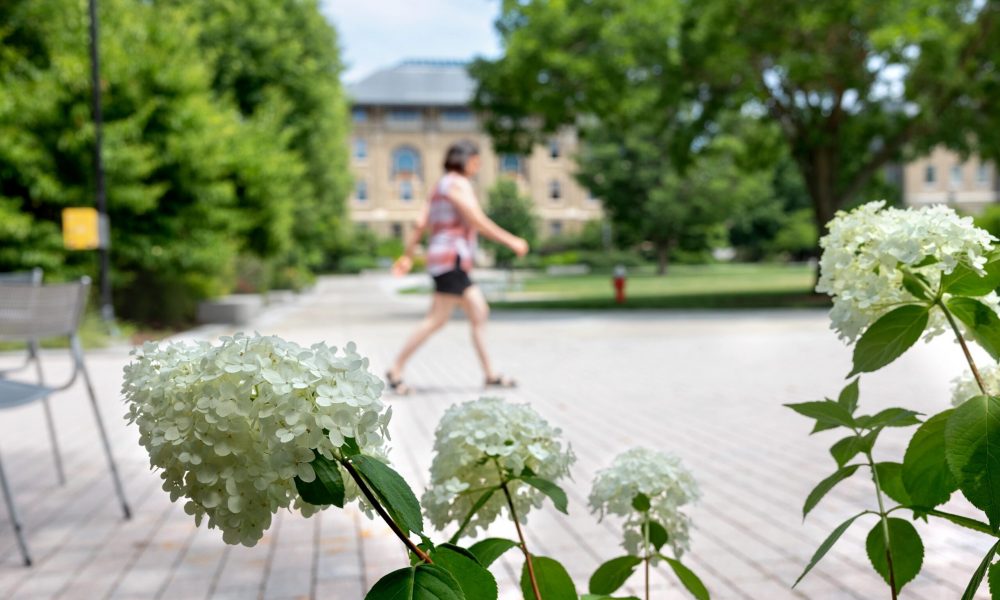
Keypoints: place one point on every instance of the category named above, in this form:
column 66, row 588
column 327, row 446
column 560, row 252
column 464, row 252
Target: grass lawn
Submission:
column 684, row 286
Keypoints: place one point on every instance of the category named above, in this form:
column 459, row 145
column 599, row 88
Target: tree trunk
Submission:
column 663, row 256
column 819, row 174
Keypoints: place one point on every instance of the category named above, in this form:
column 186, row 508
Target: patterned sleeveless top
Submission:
column 452, row 240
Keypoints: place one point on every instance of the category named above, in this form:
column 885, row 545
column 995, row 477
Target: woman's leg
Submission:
column 478, row 312
column 441, row 308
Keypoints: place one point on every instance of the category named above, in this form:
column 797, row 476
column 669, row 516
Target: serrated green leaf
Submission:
column 993, row 577
column 490, row 549
column 916, row 285
column 982, row 321
column 966, row 281
column 966, row 522
column 392, row 489
column 472, row 513
column 641, row 502
column 827, row 412
column 906, row 547
column 977, row 577
column 826, row 545
column 823, row 487
column 849, row 396
column 554, row 583
column 419, row 582
column 889, row 337
column 846, row 449
column 972, row 446
column 926, row 475
column 328, row 486
column 476, row 581
column 350, row 447
column 603, row 597
column 550, row 489
column 890, row 477
column 690, row 581
column 890, row 417
column 613, row 574
column 658, row 535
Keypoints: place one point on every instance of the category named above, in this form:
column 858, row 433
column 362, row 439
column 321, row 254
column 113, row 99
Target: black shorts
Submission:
column 453, row 282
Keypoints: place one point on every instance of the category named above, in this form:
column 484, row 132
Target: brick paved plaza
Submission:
column 706, row 386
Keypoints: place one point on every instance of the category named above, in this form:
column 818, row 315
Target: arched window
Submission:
column 510, row 163
column 405, row 161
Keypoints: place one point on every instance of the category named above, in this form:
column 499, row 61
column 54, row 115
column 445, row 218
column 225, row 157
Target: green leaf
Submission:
column 965, row 281
column 393, row 490
column 826, row 412
column 890, row 478
column 554, row 583
column 825, row 486
column 926, row 475
column 846, row 449
column 419, row 582
column 849, row 396
column 613, row 574
column 890, row 417
column 553, row 491
column 826, row 545
column 977, row 577
column 604, row 597
column 657, row 535
column 962, row 521
column 641, row 502
column 328, row 486
column 907, row 551
column 982, row 321
column 916, row 285
column 993, row 577
column 490, row 549
column 688, row 578
column 889, row 337
column 476, row 581
column 972, row 446
column 350, row 447
column 472, row 512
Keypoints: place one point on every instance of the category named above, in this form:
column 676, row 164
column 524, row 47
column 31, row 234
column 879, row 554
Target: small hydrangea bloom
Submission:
column 865, row 247
column 965, row 387
column 660, row 477
column 474, row 439
column 232, row 425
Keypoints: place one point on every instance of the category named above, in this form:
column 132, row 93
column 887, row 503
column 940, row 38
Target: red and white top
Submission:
column 452, row 239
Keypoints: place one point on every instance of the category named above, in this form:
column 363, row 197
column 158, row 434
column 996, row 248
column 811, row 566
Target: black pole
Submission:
column 107, row 308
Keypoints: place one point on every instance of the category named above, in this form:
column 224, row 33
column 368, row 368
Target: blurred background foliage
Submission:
column 225, row 145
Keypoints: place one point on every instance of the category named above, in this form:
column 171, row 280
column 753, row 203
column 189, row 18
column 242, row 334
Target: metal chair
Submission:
column 34, row 277
column 31, row 312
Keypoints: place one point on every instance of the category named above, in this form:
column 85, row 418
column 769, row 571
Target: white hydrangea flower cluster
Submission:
column 471, row 440
column 863, row 248
column 659, row 476
column 232, row 425
column 965, row 387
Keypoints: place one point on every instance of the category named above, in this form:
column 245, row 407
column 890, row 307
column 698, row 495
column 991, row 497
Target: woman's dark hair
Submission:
column 458, row 155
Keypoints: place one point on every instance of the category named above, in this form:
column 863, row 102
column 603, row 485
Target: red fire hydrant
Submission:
column 619, row 282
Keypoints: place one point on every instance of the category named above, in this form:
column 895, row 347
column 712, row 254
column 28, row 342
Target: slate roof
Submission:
column 416, row 83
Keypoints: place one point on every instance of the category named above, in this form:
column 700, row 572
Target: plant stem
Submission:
column 965, row 347
column 885, row 524
column 382, row 513
column 520, row 536
column 645, row 548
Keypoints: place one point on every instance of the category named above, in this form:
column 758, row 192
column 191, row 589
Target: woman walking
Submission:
column 453, row 217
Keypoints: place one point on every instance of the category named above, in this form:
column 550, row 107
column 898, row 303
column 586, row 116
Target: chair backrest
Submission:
column 33, row 276
column 29, row 311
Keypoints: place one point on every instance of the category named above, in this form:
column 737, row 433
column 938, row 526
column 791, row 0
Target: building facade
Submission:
column 942, row 177
column 404, row 119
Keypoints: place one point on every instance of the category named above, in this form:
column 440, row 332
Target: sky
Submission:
column 381, row 33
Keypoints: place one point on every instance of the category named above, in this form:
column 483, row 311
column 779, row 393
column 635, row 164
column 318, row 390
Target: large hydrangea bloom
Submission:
column 471, row 440
column 660, row 477
column 864, row 247
column 965, row 387
column 232, row 425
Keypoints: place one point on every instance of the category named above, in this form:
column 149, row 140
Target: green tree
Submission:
column 514, row 212
column 853, row 85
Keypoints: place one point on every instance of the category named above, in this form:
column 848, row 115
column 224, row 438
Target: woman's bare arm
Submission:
column 465, row 200
column 404, row 263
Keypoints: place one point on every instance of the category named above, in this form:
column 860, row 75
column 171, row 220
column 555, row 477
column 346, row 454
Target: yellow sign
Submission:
column 81, row 228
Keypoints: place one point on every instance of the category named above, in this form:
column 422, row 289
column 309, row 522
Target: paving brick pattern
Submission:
column 706, row 386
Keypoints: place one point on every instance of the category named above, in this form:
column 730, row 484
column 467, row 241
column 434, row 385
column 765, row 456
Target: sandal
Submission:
column 397, row 385
column 501, row 381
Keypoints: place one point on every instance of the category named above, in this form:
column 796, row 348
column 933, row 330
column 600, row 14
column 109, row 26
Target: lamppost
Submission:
column 104, row 281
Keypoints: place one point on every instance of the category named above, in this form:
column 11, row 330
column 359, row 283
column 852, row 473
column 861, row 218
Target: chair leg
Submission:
column 49, row 421
column 100, row 427
column 15, row 523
